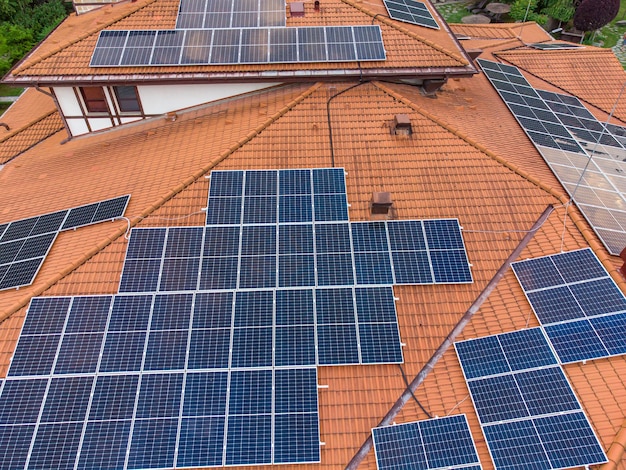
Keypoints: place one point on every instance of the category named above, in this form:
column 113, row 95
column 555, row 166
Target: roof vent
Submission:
column 381, row 203
column 432, row 86
column 401, row 126
column 296, row 9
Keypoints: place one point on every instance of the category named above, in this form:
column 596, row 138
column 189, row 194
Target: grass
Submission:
column 6, row 90
column 453, row 12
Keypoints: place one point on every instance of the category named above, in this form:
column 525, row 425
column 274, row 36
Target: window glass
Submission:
column 127, row 99
column 95, row 102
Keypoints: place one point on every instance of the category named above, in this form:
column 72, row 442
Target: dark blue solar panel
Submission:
column 88, row 314
column 159, row 396
column 130, row 313
column 579, row 265
column 380, row 343
column 21, row 400
column 260, row 210
column 295, row 209
column 296, row 390
column 261, row 182
column 337, row 344
column 48, row 223
column 140, row 275
column 599, row 297
column 516, row 445
column 205, row 394
column 252, row 347
column 104, row 445
column 79, row 353
column 534, row 386
column 180, row 274
column 294, row 307
column 296, row 271
column 114, row 397
column 208, row 349
column 373, row 268
column 569, row 440
column 332, row 238
column 146, row 243
column 497, row 399
column 226, row 183
column 213, row 310
column 330, row 207
column 448, row 442
column 443, row 234
column 171, row 312
column 19, row 229
column 399, row 447
column 34, row 355
column 450, row 266
column 14, row 445
column 258, row 240
column 201, row 442
column 254, row 308
column 481, row 357
column 250, row 392
column 67, row 399
column 295, row 239
column 335, row 306
column 555, row 305
column 296, row 438
column 249, row 440
column 294, row 181
column 575, row 341
column 335, row 269
column 612, row 330
column 375, row 305
column 329, row 181
column 257, row 272
column 46, row 315
column 537, row 273
column 411, row 267
column 406, row 235
column 79, row 216
column 123, row 351
column 221, row 241
column 369, row 236
column 35, row 247
column 184, row 242
column 224, row 211
column 20, row 273
column 166, row 350
column 153, row 443
column 219, row 273
column 525, row 349
column 55, row 446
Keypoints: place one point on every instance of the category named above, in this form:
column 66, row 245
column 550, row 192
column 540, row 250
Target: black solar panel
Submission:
column 555, row 46
column 411, row 11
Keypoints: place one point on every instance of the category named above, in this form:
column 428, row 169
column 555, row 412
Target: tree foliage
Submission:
column 520, row 11
column 593, row 14
column 561, row 10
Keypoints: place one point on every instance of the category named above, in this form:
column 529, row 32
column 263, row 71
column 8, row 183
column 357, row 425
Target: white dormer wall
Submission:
column 154, row 100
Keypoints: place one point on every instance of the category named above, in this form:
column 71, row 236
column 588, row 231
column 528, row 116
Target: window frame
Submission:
column 93, row 105
column 120, row 101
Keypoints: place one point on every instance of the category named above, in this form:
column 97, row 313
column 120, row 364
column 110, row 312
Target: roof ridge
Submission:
column 392, row 24
column 26, row 65
column 580, row 223
column 584, row 50
column 22, row 302
column 27, row 125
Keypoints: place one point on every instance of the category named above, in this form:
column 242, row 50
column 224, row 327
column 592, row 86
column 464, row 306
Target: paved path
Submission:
column 8, row 99
column 620, row 51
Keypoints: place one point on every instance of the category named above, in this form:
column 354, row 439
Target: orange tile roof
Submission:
column 30, row 106
column 20, row 140
column 443, row 170
column 65, row 55
column 568, row 70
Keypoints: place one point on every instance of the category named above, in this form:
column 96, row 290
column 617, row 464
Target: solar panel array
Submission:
column 205, row 14
column 555, row 46
column 439, row 443
column 571, row 141
column 580, row 307
column 25, row 243
column 147, row 381
column 411, row 11
column 238, row 46
column 526, row 407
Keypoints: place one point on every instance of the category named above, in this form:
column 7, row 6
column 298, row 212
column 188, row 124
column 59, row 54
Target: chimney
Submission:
column 296, row 9
column 381, row 203
column 401, row 126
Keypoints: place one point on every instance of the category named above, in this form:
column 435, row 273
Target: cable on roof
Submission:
column 330, row 126
column 408, row 387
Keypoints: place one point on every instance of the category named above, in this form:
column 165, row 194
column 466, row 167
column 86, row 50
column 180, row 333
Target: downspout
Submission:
column 56, row 103
column 449, row 340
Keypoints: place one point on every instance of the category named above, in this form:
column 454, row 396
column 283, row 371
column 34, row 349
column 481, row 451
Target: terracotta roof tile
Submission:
column 26, row 137
column 30, row 106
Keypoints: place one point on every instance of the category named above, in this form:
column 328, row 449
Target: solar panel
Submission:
column 97, row 212
column 575, row 299
column 508, row 375
column 430, row 444
column 554, row 46
column 230, row 14
column 571, row 140
column 237, row 45
column 411, row 11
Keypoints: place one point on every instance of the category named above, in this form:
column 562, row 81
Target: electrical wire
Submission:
column 408, row 387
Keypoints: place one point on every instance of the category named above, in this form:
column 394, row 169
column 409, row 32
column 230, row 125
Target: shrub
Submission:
column 593, row 14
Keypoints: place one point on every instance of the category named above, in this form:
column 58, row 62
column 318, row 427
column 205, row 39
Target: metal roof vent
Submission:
column 381, row 203
column 296, row 9
column 401, row 126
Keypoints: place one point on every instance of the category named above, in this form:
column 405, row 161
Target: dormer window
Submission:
column 94, row 99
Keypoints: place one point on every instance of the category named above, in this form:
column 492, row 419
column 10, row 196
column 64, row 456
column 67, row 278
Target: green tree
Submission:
column 15, row 42
column 527, row 10
column 562, row 10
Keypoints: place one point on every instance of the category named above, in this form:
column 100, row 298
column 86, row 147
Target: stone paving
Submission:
column 620, row 51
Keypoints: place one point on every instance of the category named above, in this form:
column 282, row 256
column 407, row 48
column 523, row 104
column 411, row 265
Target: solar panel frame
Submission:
column 411, row 11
